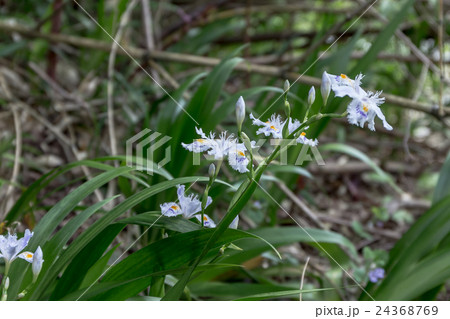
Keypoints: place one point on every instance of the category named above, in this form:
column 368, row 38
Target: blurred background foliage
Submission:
column 70, row 98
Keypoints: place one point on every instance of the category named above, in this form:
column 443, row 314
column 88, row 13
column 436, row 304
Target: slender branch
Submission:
column 149, row 39
column 273, row 9
column 197, row 20
column 157, row 69
column 205, row 61
column 111, row 62
column 289, row 35
column 391, row 57
column 272, row 58
column 166, row 75
column 148, row 25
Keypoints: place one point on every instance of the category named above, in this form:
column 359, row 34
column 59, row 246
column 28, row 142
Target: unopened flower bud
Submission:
column 287, row 108
column 287, row 85
column 212, row 170
column 240, row 112
column 6, row 283
column 311, row 96
column 38, row 260
column 325, row 87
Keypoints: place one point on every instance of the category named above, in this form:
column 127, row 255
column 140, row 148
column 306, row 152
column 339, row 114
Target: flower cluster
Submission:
column 224, row 146
column 190, row 206
column 363, row 108
column 275, row 125
column 187, row 206
column 11, row 248
column 364, row 105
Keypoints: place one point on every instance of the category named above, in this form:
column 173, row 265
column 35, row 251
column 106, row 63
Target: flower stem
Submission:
column 4, row 295
column 307, row 113
column 219, row 164
column 208, row 186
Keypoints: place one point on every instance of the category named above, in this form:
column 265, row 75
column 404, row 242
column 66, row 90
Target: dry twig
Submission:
column 303, row 277
column 206, row 61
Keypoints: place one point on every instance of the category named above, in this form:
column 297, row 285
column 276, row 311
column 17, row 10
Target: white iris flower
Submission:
column 364, row 106
column 11, row 248
column 201, row 144
column 302, row 139
column 237, row 159
column 187, row 206
column 220, row 148
column 275, row 127
column 207, row 221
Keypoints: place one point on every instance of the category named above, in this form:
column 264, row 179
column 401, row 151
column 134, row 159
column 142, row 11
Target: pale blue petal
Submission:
column 170, row 209
column 38, row 260
column 26, row 255
column 207, row 221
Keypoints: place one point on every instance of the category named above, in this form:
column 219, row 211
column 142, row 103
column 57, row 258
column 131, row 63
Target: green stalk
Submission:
column 219, row 164
column 208, row 186
column 204, row 200
column 4, row 295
